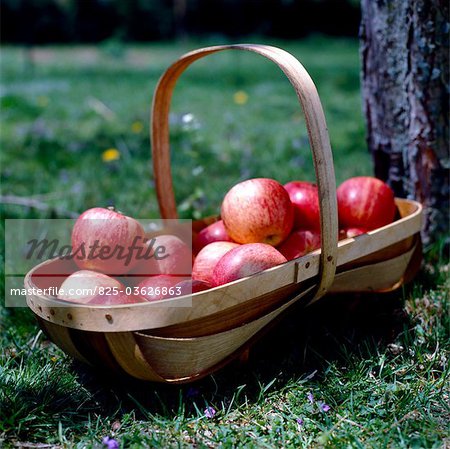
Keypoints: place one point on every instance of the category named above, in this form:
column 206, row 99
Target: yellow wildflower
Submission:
column 137, row 127
column 111, row 154
column 43, row 101
column 53, row 359
column 240, row 97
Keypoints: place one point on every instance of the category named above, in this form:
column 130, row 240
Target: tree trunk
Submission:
column 405, row 82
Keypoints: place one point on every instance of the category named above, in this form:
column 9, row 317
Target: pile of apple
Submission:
column 263, row 224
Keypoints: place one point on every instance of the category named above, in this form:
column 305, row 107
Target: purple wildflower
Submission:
column 324, row 407
column 310, row 397
column 110, row 443
column 299, row 421
column 210, row 412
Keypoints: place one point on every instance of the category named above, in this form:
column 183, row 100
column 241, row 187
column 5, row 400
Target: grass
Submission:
column 379, row 362
column 59, row 117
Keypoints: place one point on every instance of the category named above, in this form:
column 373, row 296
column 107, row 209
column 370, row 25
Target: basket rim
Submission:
column 28, row 278
column 218, row 299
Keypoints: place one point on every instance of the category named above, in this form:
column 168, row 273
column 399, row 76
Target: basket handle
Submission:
column 317, row 132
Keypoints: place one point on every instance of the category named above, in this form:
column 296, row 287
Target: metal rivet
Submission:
column 69, row 316
column 330, row 258
column 307, row 265
column 109, row 318
column 52, row 312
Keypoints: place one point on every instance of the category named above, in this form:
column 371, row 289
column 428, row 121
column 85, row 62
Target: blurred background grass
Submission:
column 234, row 116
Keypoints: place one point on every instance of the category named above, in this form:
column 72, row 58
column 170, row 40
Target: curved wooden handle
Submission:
column 317, row 132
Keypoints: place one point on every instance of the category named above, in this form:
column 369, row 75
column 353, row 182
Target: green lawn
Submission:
column 59, row 117
column 359, row 372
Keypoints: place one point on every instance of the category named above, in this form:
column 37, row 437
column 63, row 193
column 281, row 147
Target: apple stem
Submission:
column 114, row 209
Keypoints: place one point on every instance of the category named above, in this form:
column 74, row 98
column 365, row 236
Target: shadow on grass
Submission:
column 305, row 341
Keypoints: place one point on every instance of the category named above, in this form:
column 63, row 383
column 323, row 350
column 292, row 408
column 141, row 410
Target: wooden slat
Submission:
column 381, row 276
column 128, row 355
column 60, row 335
column 182, row 358
column 235, row 316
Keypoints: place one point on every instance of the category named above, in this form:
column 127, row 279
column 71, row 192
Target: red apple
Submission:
column 207, row 259
column 299, row 243
column 107, row 241
column 165, row 254
column 190, row 286
column 365, row 202
column 305, row 198
column 244, row 261
column 351, row 232
column 215, row 232
column 258, row 211
column 157, row 287
column 91, row 287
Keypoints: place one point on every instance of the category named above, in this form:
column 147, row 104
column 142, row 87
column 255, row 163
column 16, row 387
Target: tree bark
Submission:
column 405, row 84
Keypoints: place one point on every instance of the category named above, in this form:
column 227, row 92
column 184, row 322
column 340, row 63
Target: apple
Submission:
column 215, row 232
column 207, row 259
column 258, row 211
column 107, row 241
column 351, row 232
column 165, row 254
column 299, row 243
column 190, row 286
column 91, row 287
column 158, row 287
column 365, row 202
column 244, row 261
column 305, row 198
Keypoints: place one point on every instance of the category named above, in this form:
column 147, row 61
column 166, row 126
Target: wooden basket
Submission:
column 175, row 341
